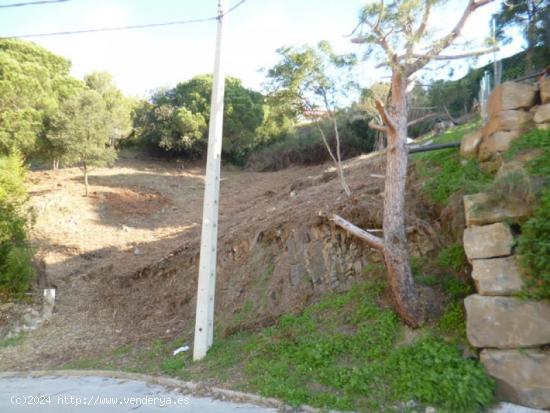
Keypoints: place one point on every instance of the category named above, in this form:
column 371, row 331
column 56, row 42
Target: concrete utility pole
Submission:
column 204, row 322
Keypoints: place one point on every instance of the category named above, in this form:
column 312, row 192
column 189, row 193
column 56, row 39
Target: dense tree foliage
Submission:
column 308, row 79
column 83, row 130
column 32, row 82
column 176, row 120
column 532, row 17
column 16, row 272
column 118, row 106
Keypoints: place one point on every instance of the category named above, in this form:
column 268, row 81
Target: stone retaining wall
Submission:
column 512, row 333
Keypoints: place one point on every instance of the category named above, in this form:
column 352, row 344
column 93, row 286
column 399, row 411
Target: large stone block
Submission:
column 545, row 90
column 497, row 276
column 506, row 322
column 508, row 120
column 522, row 377
column 510, row 95
column 470, row 144
column 478, row 210
column 497, row 142
column 488, row 241
column 542, row 115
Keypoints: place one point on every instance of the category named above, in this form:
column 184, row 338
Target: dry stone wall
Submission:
column 513, row 333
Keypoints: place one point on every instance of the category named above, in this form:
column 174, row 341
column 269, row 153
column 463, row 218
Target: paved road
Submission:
column 105, row 395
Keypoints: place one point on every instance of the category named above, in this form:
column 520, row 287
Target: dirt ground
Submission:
column 137, row 212
column 95, row 250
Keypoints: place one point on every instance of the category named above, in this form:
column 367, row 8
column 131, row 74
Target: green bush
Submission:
column 534, row 241
column 16, row 272
column 444, row 173
column 304, row 145
column 452, row 257
column 534, row 249
column 535, row 140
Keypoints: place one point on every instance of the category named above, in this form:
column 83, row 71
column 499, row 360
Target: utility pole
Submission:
column 204, row 321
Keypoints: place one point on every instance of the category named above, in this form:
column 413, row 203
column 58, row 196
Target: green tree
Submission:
column 533, row 18
column 312, row 78
column 83, row 131
column 16, row 271
column 176, row 120
column 32, row 81
column 118, row 106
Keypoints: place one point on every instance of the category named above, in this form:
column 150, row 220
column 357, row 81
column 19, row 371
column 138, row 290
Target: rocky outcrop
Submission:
column 522, row 376
column 512, row 112
column 470, row 144
column 542, row 114
column 497, row 276
column 497, row 142
column 509, row 120
column 510, row 96
column 488, row 241
column 479, row 209
column 545, row 90
column 506, row 322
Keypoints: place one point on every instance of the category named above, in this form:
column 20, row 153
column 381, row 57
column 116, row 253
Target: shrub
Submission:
column 534, row 242
column 452, row 257
column 304, row 145
column 444, row 173
column 16, row 272
column 534, row 249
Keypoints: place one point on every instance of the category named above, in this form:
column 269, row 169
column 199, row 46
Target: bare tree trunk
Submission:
column 395, row 250
column 85, row 169
column 336, row 159
column 343, row 182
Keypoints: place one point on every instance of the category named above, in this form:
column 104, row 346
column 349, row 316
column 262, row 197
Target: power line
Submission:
column 119, row 28
column 30, row 3
column 112, row 29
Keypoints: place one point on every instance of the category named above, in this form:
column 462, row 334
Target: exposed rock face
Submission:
column 542, row 115
column 479, row 211
column 470, row 144
column 488, row 241
column 497, row 142
column 522, row 377
column 497, row 276
column 508, row 120
column 545, row 90
column 506, row 322
column 510, row 95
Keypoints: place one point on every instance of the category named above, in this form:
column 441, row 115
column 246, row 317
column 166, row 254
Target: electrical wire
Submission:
column 30, row 3
column 120, row 28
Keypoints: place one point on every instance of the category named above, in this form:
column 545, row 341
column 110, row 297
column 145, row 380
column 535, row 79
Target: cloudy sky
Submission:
column 144, row 59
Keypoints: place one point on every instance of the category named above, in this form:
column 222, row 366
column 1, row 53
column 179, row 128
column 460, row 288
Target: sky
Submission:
column 143, row 60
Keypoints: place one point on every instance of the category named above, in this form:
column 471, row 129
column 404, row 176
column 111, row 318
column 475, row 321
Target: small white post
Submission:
column 204, row 321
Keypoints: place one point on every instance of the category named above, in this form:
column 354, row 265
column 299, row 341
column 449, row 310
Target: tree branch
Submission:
column 458, row 56
column 385, row 117
column 372, row 240
column 446, row 41
column 422, row 119
column 378, row 127
column 424, row 22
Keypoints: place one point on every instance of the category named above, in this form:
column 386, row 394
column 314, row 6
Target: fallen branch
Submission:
column 422, row 119
column 372, row 240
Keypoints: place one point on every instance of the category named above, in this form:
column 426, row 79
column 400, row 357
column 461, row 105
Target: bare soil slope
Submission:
column 124, row 259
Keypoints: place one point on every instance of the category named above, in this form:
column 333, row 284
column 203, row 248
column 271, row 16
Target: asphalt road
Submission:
column 105, row 395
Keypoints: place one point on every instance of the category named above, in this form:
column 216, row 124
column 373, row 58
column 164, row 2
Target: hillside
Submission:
column 124, row 262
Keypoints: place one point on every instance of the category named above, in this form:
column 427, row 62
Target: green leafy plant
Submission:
column 16, row 271
column 534, row 249
column 452, row 257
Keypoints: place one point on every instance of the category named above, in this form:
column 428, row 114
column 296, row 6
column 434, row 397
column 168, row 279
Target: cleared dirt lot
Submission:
column 137, row 212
